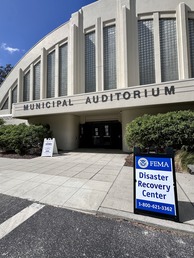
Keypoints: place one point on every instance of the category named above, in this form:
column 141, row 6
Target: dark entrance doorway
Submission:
column 101, row 135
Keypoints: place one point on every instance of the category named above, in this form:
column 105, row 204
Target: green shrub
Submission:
column 1, row 121
column 23, row 139
column 173, row 129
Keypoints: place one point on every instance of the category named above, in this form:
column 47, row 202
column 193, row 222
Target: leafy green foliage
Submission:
column 1, row 121
column 23, row 139
column 173, row 129
column 4, row 71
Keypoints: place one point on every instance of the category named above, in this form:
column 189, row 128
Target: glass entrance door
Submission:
column 101, row 135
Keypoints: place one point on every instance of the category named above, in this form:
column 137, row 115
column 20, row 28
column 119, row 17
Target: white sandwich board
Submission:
column 49, row 148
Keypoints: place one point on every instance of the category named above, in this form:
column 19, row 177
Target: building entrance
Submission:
column 101, row 135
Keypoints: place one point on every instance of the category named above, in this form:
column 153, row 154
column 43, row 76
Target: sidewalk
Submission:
column 97, row 183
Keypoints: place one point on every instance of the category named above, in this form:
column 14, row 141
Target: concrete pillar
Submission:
column 81, row 56
column 65, row 129
column 43, row 72
column 72, row 60
column 31, row 81
column 158, row 77
column 127, row 116
column 57, row 71
column 182, row 40
column 127, row 44
column 76, row 63
column 71, row 132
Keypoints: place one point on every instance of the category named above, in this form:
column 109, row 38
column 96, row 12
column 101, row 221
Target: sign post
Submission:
column 49, row 148
column 155, row 192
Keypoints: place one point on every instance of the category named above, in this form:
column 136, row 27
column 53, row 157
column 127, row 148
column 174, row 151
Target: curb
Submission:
column 163, row 224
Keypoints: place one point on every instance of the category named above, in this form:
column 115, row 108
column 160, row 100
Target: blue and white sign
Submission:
column 155, row 185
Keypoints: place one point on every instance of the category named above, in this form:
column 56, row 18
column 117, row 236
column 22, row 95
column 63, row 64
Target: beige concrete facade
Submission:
column 125, row 102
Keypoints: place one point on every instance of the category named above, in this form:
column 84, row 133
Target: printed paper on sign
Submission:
column 49, row 148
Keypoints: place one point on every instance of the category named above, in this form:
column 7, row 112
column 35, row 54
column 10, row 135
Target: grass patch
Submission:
column 183, row 159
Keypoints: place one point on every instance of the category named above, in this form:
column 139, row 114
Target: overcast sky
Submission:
column 24, row 22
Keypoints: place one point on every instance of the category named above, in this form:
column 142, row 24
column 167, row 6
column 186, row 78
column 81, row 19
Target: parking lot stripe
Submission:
column 13, row 222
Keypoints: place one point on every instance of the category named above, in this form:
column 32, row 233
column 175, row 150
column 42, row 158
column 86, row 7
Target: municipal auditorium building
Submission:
column 113, row 61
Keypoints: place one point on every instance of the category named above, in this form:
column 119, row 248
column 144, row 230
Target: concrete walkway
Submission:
column 92, row 182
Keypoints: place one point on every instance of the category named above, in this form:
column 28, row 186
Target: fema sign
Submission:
column 155, row 186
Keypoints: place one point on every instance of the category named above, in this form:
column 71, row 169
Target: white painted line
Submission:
column 13, row 222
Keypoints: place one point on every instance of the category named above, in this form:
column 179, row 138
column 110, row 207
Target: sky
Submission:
column 25, row 22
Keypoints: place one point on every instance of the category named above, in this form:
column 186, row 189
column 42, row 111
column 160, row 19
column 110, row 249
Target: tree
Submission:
column 4, row 71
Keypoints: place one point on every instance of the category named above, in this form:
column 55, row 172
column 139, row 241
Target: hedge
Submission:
column 173, row 129
column 1, row 121
column 23, row 139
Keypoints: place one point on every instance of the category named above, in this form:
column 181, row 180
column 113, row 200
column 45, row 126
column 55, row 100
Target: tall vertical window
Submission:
column 90, row 62
column 26, row 87
column 5, row 105
column 109, row 57
column 36, row 86
column 63, row 52
column 51, row 75
column 146, row 52
column 14, row 95
column 191, row 40
column 168, row 48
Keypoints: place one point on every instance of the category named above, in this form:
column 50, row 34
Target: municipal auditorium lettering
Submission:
column 102, row 98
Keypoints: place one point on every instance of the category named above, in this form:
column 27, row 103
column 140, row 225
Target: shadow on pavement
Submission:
column 186, row 211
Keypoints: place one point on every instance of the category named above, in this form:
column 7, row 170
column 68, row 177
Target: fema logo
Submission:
column 143, row 163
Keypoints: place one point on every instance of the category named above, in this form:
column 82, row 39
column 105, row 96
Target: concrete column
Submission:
column 127, row 116
column 121, row 41
column 81, row 55
column 71, row 135
column 182, row 40
column 43, row 72
column 99, row 55
column 20, row 86
column 31, row 81
column 127, row 44
column 157, row 48
column 72, row 60
column 76, row 80
column 56, row 71
column 65, row 129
